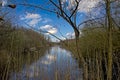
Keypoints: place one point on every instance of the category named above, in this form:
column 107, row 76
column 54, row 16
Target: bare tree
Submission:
column 109, row 24
column 60, row 8
column 68, row 10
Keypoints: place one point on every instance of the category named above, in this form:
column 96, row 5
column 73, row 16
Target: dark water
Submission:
column 56, row 64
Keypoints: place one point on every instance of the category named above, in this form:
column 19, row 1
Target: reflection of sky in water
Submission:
column 57, row 63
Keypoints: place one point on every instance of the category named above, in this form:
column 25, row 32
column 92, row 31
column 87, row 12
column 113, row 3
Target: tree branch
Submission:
column 76, row 8
column 89, row 20
column 62, row 11
column 39, row 7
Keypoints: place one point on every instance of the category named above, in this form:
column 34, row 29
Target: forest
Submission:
column 40, row 34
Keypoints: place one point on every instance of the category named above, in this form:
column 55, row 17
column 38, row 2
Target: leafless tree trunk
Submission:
column 109, row 23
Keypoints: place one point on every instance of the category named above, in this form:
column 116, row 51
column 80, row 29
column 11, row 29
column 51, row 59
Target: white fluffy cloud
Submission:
column 85, row 6
column 31, row 18
column 33, row 22
column 49, row 29
column 70, row 35
column 49, row 59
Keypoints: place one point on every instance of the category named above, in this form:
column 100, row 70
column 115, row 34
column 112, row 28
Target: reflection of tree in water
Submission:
column 56, row 64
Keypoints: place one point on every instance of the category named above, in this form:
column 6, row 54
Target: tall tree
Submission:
column 68, row 10
column 109, row 24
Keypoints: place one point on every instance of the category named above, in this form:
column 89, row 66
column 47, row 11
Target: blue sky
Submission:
column 47, row 21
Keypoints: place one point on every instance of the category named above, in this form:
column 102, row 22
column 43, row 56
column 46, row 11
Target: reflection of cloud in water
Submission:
column 46, row 62
column 49, row 59
column 57, row 60
column 68, row 54
column 34, row 70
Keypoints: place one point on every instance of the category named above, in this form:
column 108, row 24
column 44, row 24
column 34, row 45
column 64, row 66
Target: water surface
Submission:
column 56, row 64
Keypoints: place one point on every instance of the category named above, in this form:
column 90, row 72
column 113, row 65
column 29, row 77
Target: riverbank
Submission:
column 19, row 46
column 93, row 46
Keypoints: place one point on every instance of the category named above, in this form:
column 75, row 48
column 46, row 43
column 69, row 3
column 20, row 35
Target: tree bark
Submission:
column 109, row 23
